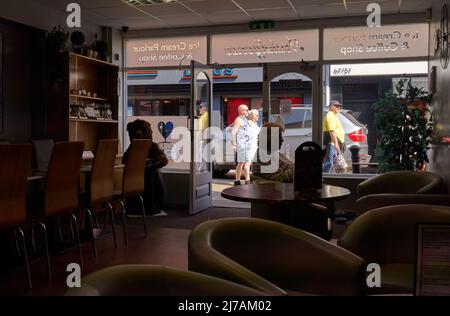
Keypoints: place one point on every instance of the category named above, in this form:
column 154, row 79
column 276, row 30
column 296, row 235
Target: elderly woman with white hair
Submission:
column 240, row 141
column 253, row 117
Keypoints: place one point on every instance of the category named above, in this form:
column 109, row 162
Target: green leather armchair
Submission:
column 156, row 280
column 387, row 236
column 274, row 258
column 397, row 187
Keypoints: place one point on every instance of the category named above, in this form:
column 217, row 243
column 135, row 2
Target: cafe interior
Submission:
column 98, row 199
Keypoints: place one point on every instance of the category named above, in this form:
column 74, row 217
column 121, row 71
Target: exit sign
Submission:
column 261, row 25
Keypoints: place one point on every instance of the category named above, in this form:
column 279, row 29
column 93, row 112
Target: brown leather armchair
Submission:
column 274, row 258
column 387, row 236
column 155, row 280
column 397, row 187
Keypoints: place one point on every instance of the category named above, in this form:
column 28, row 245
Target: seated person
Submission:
column 284, row 172
column 156, row 159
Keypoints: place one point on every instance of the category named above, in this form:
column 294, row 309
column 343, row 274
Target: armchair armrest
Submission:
column 373, row 201
column 275, row 258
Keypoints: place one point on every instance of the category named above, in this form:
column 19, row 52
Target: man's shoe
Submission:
column 237, row 182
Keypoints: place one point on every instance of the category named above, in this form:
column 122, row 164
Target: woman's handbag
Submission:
column 340, row 165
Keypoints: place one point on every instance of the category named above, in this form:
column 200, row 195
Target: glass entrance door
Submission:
column 199, row 123
column 294, row 103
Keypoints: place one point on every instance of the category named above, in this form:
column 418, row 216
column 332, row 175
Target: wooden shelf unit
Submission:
column 71, row 72
column 87, row 98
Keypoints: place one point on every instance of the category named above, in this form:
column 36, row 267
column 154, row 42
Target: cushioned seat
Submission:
column 387, row 236
column 395, row 182
column 275, row 258
column 155, row 280
column 372, row 201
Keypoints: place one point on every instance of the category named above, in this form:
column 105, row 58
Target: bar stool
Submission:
column 133, row 179
column 61, row 190
column 14, row 164
column 102, row 184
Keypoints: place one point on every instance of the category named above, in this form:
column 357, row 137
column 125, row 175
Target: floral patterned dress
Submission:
column 243, row 141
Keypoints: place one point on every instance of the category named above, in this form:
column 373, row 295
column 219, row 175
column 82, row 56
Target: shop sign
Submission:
column 379, row 69
column 389, row 41
column 142, row 74
column 218, row 73
column 265, row 47
column 160, row 52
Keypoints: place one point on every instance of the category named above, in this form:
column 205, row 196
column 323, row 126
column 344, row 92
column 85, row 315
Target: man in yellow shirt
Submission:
column 204, row 119
column 333, row 134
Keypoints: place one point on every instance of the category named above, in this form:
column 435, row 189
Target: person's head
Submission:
column 253, row 115
column 335, row 106
column 139, row 129
column 268, row 130
column 243, row 110
column 202, row 109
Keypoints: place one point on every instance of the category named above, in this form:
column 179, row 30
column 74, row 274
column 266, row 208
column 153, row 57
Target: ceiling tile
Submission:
column 185, row 20
column 205, row 6
column 165, row 9
column 139, row 23
column 84, row 4
column 258, row 4
column 273, row 14
column 321, row 10
column 228, row 17
column 360, row 7
column 315, row 2
column 120, row 12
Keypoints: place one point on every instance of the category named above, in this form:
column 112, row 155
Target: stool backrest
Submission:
column 42, row 152
column 61, row 190
column 134, row 172
column 102, row 177
column 14, row 164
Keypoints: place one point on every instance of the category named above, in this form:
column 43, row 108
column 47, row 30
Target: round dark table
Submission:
column 273, row 197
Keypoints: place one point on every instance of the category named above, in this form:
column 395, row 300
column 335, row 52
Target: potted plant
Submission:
column 57, row 39
column 101, row 47
column 404, row 125
column 77, row 38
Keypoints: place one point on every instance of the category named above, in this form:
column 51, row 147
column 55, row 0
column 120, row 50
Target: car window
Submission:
column 351, row 118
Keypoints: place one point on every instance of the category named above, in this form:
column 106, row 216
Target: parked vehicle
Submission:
column 298, row 129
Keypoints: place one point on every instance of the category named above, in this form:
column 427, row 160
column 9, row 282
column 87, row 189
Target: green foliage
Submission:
column 404, row 125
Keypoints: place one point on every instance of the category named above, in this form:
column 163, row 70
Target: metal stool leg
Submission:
column 25, row 255
column 33, row 239
column 17, row 243
column 91, row 229
column 143, row 215
column 75, row 221
column 61, row 238
column 71, row 231
column 113, row 224
column 44, row 232
column 95, row 219
column 124, row 222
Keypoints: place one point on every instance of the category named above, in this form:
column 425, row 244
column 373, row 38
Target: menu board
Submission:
column 433, row 260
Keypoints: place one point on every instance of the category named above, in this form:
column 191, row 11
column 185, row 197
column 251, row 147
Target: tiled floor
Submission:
column 164, row 246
